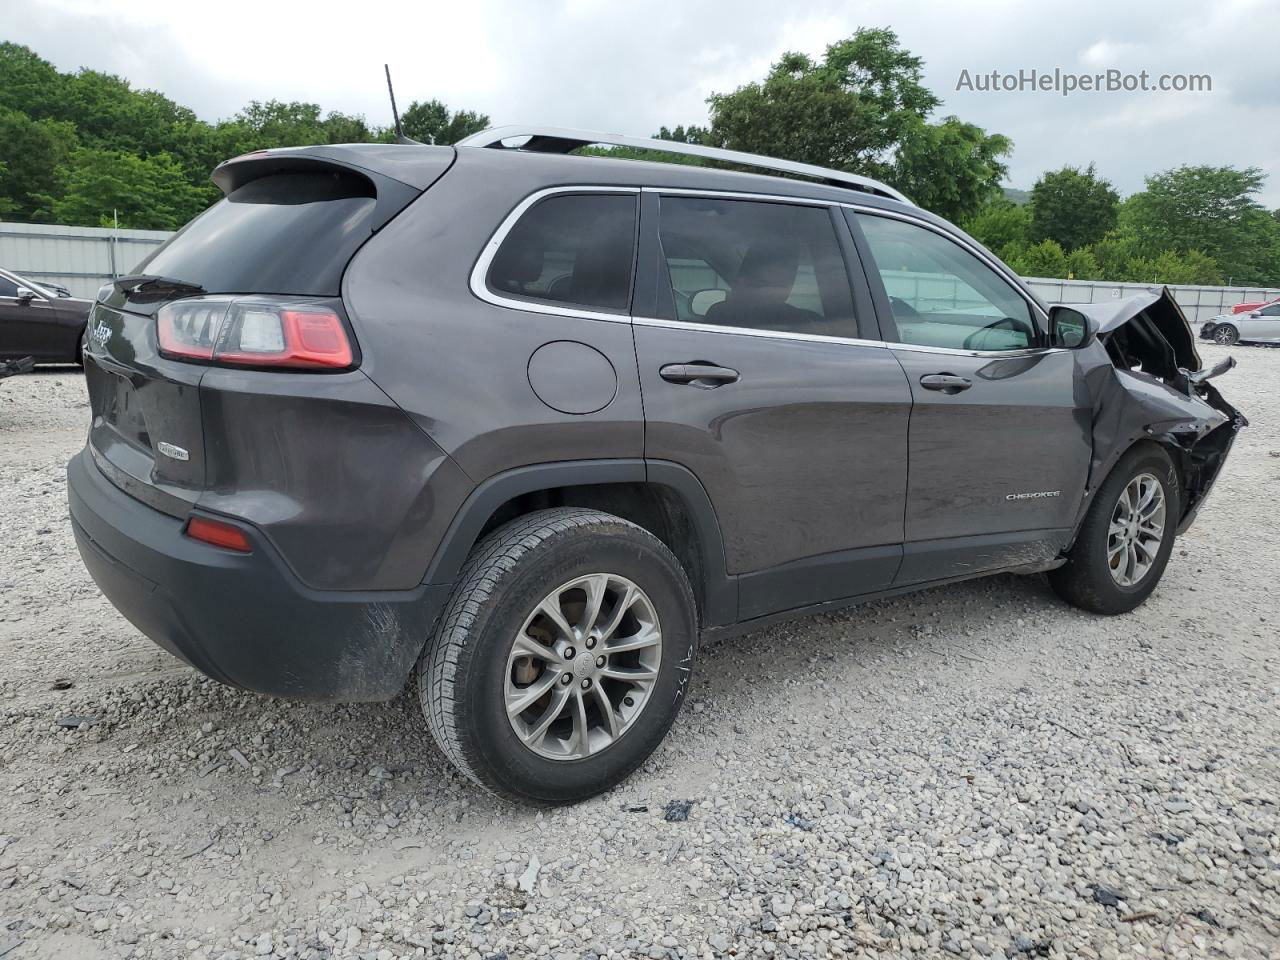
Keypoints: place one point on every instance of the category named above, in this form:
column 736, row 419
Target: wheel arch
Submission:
column 664, row 498
column 1176, row 453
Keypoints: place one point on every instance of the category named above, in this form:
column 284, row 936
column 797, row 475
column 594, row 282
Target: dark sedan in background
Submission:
column 38, row 322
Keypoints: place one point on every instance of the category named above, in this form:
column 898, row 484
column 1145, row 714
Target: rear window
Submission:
column 290, row 233
column 571, row 249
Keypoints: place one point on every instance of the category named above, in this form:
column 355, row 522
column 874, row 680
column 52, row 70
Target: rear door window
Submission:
column 755, row 265
column 288, row 233
column 576, row 250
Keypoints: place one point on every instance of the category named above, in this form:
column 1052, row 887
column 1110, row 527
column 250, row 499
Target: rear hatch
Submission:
column 283, row 234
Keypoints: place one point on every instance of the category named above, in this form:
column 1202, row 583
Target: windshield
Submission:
column 39, row 288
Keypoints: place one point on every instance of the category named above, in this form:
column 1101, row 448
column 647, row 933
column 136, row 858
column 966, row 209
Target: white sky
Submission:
column 631, row 67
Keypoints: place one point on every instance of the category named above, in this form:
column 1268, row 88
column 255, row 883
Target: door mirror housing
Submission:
column 1071, row 329
column 25, row 294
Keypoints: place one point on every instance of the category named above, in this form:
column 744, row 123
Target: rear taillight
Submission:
column 254, row 332
column 219, row 534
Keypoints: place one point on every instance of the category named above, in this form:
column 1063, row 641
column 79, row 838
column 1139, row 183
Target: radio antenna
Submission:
column 395, row 114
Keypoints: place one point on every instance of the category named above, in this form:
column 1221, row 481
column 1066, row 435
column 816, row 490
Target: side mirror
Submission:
column 1070, row 328
column 704, row 300
column 25, row 295
column 1255, row 313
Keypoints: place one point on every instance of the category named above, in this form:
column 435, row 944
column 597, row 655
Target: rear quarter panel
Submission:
column 458, row 365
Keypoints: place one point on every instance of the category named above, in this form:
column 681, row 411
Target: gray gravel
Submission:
column 974, row 771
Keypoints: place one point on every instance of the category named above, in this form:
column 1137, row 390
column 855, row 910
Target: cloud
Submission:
column 632, row 67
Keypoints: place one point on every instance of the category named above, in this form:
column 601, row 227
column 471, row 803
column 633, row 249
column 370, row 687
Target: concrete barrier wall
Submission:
column 81, row 259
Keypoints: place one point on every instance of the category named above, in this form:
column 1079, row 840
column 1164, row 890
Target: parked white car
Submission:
column 1256, row 326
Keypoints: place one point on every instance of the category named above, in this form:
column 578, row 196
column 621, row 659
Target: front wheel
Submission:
column 1127, row 536
column 562, row 658
column 1225, row 335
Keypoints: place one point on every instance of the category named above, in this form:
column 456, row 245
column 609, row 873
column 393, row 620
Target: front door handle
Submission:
column 946, row 382
column 698, row 374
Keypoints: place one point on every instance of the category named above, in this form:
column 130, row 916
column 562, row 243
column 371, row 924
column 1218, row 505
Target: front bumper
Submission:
column 244, row 619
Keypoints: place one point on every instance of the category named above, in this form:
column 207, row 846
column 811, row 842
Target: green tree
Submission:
column 951, row 167
column 1171, row 266
column 1073, row 207
column 846, row 111
column 999, row 224
column 31, row 154
column 1083, row 265
column 275, row 123
column 1113, row 254
column 146, row 192
column 433, row 122
column 29, row 83
column 862, row 108
column 111, row 115
column 1212, row 210
column 1044, row 259
column 689, row 134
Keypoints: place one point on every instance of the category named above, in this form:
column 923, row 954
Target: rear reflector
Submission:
column 254, row 332
column 220, row 534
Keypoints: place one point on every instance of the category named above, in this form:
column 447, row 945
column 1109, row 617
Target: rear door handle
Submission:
column 946, row 382
column 698, row 374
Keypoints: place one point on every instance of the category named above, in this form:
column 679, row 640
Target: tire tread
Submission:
column 498, row 556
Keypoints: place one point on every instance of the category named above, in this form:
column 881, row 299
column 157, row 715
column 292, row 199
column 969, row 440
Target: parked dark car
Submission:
column 37, row 322
column 530, row 424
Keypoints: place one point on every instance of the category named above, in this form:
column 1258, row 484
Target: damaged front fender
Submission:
column 1142, row 377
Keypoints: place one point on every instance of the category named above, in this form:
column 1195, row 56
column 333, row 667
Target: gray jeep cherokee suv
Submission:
column 530, row 424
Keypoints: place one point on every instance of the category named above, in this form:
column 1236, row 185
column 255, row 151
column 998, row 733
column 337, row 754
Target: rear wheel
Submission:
column 1127, row 535
column 1225, row 334
column 562, row 657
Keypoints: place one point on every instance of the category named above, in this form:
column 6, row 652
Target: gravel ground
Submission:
column 973, row 771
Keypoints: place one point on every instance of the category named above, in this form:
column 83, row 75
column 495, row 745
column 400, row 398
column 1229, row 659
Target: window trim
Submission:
column 480, row 272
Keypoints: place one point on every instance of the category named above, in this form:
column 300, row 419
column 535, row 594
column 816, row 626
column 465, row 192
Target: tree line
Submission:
column 81, row 148
column 76, row 147
column 1192, row 224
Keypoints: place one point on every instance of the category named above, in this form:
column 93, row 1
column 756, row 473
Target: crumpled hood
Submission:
column 1163, row 312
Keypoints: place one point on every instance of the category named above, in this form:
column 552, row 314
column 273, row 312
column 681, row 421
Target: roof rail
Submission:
column 561, row 140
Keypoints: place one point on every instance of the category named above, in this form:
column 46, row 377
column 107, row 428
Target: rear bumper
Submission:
column 244, row 619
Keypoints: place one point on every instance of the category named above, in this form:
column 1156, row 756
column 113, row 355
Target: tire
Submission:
column 1225, row 334
column 471, row 670
column 1092, row 577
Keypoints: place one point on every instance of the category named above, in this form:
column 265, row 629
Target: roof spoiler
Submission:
column 562, row 140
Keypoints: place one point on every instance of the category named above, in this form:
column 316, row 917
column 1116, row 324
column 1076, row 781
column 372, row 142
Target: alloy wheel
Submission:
column 1136, row 530
column 582, row 667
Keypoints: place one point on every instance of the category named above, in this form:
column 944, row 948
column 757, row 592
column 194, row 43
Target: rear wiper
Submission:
column 145, row 286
